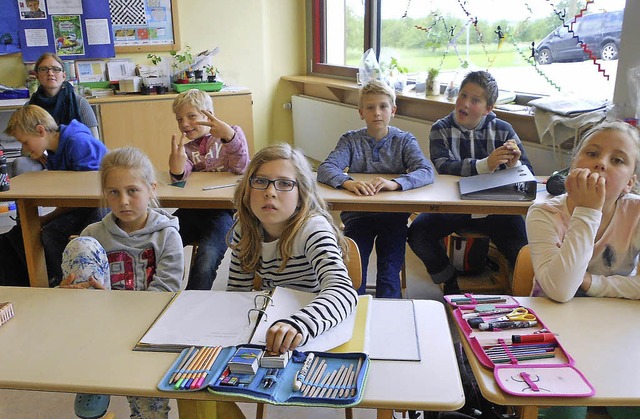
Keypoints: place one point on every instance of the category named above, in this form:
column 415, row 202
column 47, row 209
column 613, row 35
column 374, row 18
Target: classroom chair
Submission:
column 499, row 282
column 523, row 274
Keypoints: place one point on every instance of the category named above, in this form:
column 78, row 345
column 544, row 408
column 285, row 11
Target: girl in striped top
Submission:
column 284, row 234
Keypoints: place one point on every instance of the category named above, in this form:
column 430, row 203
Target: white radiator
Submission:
column 318, row 125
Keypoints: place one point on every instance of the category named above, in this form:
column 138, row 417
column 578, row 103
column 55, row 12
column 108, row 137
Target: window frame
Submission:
column 629, row 56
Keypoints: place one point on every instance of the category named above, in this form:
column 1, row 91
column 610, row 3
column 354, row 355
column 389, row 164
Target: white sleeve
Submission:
column 560, row 264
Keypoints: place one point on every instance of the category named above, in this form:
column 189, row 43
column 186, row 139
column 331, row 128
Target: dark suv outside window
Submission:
column 600, row 31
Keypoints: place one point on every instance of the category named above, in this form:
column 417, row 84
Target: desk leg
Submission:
column 527, row 412
column 203, row 409
column 384, row 414
column 34, row 253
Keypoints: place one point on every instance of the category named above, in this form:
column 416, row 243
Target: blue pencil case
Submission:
column 332, row 379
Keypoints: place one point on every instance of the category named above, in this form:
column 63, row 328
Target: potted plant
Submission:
column 181, row 64
column 432, row 85
column 397, row 75
column 212, row 73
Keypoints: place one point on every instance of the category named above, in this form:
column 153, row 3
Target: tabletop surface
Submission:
column 81, row 341
column 600, row 335
column 61, row 186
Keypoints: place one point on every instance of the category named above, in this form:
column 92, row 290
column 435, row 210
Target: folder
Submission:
column 512, row 184
column 220, row 318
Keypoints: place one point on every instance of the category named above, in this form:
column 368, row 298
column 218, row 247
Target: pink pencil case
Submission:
column 517, row 369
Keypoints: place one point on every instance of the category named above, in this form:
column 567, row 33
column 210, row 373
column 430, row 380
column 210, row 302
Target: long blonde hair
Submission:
column 249, row 247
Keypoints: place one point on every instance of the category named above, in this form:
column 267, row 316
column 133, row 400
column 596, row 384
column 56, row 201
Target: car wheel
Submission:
column 609, row 51
column 544, row 57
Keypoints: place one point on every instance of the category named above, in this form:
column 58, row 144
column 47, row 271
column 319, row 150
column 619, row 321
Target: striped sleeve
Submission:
column 337, row 297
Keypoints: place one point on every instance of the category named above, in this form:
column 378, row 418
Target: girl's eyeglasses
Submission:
column 45, row 69
column 262, row 183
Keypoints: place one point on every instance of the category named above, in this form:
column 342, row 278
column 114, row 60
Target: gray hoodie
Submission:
column 148, row 259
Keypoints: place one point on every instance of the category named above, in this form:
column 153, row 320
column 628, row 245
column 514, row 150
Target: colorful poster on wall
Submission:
column 141, row 22
column 67, row 33
column 32, row 9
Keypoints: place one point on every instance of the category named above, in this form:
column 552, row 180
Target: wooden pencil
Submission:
column 199, row 378
column 328, row 384
column 193, row 366
column 309, row 374
column 316, row 375
column 316, row 391
column 355, row 378
column 343, row 384
column 182, row 364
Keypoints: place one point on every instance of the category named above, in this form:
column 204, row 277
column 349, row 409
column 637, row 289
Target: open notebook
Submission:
column 220, row 318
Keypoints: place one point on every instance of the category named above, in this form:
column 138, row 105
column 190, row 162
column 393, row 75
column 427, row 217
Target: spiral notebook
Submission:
column 219, row 318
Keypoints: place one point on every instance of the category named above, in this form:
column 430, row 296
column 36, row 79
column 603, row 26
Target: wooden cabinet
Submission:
column 148, row 122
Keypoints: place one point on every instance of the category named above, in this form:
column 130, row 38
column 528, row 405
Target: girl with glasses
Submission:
column 284, row 234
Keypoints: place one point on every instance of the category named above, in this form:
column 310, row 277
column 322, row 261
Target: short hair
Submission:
column 309, row 204
column 44, row 57
column 486, row 81
column 193, row 97
column 377, row 87
column 27, row 118
column 620, row 126
column 133, row 159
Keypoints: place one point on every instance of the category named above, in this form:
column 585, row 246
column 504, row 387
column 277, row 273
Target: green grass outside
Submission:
column 419, row 60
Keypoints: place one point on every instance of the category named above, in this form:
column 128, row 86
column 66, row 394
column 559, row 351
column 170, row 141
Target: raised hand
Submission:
column 178, row 156
column 218, row 128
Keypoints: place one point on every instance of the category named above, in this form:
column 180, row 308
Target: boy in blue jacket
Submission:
column 64, row 147
column 378, row 148
column 469, row 141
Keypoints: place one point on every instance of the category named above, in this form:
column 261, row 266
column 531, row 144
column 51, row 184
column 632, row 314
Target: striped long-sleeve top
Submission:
column 459, row 151
column 316, row 265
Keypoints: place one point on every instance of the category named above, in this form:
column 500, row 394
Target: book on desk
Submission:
column 205, row 318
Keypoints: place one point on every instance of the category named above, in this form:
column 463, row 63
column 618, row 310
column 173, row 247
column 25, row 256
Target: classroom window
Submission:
column 456, row 37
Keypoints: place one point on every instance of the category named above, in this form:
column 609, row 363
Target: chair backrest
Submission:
column 523, row 274
column 354, row 265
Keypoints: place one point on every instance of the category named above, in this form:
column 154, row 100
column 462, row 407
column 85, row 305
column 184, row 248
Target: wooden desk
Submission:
column 600, row 335
column 81, row 341
column 81, row 189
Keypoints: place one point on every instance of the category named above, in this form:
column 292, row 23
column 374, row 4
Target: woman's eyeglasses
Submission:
column 262, row 183
column 44, row 69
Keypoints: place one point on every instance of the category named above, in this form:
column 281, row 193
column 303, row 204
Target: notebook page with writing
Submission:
column 202, row 318
column 286, row 302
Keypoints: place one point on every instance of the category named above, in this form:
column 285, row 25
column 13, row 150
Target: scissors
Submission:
column 519, row 314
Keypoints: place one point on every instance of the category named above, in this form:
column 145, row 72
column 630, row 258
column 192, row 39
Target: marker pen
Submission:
column 507, row 325
column 535, row 337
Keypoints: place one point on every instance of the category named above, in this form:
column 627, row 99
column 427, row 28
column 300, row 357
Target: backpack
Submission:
column 468, row 254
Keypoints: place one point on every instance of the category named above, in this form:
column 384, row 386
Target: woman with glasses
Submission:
column 57, row 95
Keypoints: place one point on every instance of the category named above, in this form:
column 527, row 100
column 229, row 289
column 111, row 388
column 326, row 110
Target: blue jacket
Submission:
column 78, row 149
column 450, row 144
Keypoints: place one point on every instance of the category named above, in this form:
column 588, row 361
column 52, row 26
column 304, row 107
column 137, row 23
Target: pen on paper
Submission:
column 229, row 185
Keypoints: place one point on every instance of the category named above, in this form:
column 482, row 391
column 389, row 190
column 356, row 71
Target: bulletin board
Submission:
column 72, row 29
column 144, row 25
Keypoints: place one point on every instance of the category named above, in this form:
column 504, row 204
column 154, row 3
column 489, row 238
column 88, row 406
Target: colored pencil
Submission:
column 318, row 372
column 182, row 364
column 340, row 381
column 355, row 378
column 309, row 374
column 193, row 365
column 200, row 377
column 347, row 378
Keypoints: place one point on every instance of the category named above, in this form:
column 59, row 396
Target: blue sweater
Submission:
column 78, row 149
column 450, row 145
column 397, row 153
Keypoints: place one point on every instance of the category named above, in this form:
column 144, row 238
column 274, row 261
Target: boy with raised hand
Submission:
column 469, row 141
column 207, row 144
column 378, row 148
column 64, row 147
